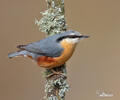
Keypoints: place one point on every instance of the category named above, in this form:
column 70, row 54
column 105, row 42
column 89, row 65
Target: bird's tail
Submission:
column 18, row 53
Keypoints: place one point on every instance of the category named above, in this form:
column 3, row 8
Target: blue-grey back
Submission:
column 48, row 46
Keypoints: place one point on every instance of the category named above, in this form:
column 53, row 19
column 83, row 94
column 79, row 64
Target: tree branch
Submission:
column 53, row 22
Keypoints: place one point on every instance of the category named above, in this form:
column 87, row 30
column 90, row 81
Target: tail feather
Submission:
column 21, row 47
column 11, row 55
column 22, row 53
column 18, row 53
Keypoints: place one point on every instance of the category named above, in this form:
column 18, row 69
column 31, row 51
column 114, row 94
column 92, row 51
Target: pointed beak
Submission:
column 84, row 36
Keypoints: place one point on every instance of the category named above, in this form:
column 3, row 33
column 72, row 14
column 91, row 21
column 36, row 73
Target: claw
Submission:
column 55, row 73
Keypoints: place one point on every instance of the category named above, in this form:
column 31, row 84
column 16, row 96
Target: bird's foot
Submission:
column 58, row 73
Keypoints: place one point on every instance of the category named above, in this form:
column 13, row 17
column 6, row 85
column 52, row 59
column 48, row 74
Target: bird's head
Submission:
column 71, row 36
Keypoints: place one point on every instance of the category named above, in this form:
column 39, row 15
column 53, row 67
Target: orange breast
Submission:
column 49, row 62
column 67, row 53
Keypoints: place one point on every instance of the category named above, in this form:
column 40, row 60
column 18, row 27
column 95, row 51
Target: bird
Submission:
column 52, row 51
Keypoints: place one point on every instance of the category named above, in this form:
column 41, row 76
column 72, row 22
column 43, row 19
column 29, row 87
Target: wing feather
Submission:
column 45, row 47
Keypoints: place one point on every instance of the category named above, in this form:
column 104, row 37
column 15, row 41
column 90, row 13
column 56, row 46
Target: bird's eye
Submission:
column 68, row 36
column 61, row 38
column 72, row 36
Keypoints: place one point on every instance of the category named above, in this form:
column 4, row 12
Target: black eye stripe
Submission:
column 68, row 36
column 73, row 36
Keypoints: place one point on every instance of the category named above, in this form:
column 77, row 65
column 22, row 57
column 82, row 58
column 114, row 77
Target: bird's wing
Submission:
column 44, row 47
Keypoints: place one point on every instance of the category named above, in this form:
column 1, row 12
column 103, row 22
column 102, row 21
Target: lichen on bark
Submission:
column 53, row 22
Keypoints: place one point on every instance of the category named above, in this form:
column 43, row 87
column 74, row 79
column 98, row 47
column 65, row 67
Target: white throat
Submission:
column 75, row 40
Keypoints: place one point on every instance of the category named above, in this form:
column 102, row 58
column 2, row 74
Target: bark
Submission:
column 53, row 22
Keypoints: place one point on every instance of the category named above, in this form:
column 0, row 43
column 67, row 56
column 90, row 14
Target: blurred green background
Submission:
column 95, row 65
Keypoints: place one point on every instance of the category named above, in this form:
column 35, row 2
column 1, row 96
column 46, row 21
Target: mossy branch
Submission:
column 53, row 22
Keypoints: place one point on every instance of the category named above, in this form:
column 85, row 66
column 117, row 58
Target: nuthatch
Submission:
column 52, row 51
